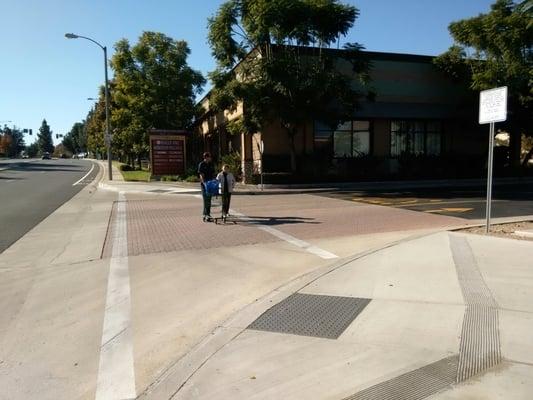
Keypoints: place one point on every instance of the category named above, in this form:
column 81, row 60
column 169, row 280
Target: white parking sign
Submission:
column 493, row 105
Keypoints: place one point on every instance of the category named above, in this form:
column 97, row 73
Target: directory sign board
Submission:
column 493, row 105
column 167, row 152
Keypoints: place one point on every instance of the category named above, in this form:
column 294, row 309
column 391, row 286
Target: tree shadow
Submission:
column 45, row 167
column 519, row 191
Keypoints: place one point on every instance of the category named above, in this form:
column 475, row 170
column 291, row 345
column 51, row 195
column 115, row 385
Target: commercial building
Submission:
column 420, row 124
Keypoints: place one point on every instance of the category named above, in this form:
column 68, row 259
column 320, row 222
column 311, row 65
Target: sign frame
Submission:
column 493, row 105
column 492, row 108
column 167, row 135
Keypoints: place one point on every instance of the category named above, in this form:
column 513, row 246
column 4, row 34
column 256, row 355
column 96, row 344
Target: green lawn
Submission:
column 133, row 176
column 139, row 176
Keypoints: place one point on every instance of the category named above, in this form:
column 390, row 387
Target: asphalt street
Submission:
column 32, row 189
column 509, row 200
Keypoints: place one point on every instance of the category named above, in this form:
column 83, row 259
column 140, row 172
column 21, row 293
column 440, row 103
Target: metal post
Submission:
column 107, row 128
column 489, row 176
column 262, row 150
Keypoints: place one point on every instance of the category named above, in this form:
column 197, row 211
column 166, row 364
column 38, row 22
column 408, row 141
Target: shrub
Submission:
column 125, row 167
column 234, row 162
column 192, row 178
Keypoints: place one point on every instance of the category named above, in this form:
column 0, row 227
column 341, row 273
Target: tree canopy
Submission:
column 153, row 87
column 11, row 141
column 496, row 49
column 273, row 57
column 75, row 141
column 44, row 138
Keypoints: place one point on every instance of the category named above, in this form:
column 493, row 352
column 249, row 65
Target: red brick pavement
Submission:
column 310, row 216
column 174, row 223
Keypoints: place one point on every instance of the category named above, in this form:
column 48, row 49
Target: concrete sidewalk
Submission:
column 433, row 315
column 442, row 316
column 233, row 312
column 269, row 189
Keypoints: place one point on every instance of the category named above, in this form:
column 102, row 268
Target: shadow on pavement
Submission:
column 46, row 167
column 271, row 221
column 501, row 192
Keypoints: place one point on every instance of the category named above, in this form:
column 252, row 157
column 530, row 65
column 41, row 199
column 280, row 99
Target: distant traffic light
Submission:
column 31, row 132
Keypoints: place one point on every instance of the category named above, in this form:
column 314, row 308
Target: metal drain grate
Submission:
column 311, row 315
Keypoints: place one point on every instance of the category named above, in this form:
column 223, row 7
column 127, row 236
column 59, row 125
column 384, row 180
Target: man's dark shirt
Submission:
column 207, row 170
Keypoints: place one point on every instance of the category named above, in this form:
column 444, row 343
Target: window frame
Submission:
column 352, row 131
column 425, row 122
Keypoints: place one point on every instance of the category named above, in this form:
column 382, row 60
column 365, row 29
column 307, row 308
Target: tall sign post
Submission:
column 262, row 150
column 492, row 108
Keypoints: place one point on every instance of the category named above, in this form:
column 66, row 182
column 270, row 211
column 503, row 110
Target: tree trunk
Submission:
column 515, row 144
column 292, row 145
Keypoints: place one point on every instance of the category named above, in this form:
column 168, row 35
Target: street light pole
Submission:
column 107, row 128
column 107, row 124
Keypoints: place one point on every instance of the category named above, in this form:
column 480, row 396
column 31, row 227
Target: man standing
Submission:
column 206, row 171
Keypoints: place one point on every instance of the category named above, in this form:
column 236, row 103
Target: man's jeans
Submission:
column 207, row 201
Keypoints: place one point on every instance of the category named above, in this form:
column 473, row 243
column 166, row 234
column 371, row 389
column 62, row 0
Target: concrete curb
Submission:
column 526, row 234
column 178, row 374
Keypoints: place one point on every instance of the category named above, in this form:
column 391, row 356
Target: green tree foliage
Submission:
column 76, row 140
column 153, row 88
column 95, row 127
column 44, row 138
column 12, row 141
column 526, row 7
column 496, row 49
column 32, row 150
column 273, row 57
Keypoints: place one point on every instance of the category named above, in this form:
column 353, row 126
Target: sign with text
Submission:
column 167, row 153
column 493, row 105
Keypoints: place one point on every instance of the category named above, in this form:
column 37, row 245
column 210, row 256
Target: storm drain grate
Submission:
column 311, row 315
column 159, row 191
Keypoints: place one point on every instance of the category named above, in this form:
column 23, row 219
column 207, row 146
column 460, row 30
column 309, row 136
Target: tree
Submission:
column 153, row 87
column 32, row 150
column 5, row 143
column 44, row 138
column 496, row 49
column 76, row 140
column 11, row 141
column 272, row 57
column 95, row 126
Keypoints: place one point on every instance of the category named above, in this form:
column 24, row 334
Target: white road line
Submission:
column 317, row 251
column 116, row 374
column 84, row 176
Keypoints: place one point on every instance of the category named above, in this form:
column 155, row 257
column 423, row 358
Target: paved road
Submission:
column 465, row 202
column 32, row 189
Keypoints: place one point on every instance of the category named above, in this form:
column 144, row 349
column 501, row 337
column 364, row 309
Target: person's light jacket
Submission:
column 231, row 182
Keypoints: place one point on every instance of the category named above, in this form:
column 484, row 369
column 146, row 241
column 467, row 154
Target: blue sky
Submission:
column 44, row 75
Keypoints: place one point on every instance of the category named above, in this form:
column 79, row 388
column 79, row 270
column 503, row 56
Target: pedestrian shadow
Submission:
column 272, row 221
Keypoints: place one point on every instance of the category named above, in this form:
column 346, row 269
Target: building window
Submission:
column 416, row 138
column 350, row 139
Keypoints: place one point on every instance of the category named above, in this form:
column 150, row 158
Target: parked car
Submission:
column 46, row 156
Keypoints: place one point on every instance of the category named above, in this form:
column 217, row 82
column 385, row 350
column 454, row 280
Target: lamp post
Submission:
column 107, row 128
